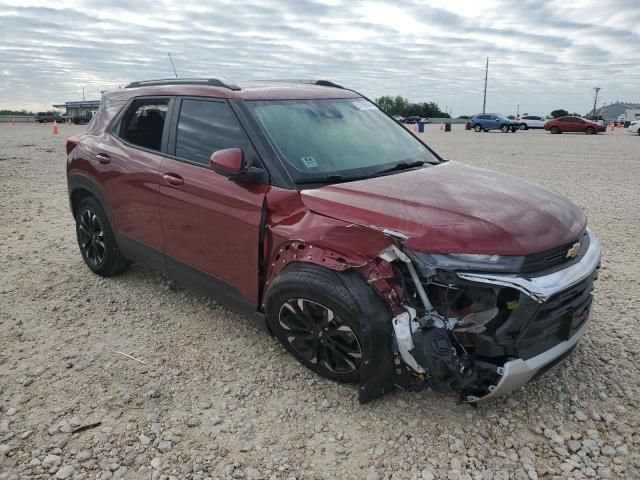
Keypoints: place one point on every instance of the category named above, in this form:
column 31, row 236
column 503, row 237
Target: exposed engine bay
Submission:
column 462, row 336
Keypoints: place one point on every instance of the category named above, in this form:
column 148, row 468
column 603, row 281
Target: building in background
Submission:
column 615, row 111
column 81, row 111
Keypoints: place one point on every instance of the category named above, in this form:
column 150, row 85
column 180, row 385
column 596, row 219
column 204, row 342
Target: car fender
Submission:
column 77, row 181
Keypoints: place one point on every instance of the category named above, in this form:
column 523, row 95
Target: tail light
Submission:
column 72, row 142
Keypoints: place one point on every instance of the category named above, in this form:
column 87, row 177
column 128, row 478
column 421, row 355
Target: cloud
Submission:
column 543, row 55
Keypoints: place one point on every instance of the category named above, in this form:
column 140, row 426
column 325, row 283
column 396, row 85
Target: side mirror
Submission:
column 228, row 162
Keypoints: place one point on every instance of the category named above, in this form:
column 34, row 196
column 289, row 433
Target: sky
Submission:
column 543, row 55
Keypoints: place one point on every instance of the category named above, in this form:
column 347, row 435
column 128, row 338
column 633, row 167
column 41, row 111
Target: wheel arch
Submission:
column 81, row 186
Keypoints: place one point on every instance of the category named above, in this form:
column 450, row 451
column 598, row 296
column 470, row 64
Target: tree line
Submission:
column 401, row 106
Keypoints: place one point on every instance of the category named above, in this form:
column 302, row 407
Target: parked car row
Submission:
column 495, row 121
column 413, row 119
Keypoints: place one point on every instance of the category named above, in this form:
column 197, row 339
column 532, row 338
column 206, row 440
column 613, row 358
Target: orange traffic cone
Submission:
column 55, row 128
column 611, row 127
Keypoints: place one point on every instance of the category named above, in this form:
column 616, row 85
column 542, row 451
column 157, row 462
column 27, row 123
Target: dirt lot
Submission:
column 217, row 398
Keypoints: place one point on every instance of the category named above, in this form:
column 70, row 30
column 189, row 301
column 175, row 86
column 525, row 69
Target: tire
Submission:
column 477, row 128
column 589, row 131
column 555, row 130
column 96, row 240
column 524, row 126
column 505, row 128
column 317, row 319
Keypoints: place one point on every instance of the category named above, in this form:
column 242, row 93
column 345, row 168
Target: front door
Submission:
column 211, row 224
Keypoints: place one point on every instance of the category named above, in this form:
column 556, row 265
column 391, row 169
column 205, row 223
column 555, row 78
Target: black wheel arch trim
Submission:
column 377, row 375
column 79, row 181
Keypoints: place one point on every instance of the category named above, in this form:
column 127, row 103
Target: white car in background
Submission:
column 634, row 127
column 531, row 121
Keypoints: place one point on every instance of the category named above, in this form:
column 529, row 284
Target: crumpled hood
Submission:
column 455, row 208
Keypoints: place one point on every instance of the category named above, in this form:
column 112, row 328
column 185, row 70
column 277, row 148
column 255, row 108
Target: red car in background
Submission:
column 573, row 124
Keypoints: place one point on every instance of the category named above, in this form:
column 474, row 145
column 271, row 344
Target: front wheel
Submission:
column 524, row 126
column 477, row 128
column 505, row 128
column 555, row 130
column 317, row 319
column 589, row 131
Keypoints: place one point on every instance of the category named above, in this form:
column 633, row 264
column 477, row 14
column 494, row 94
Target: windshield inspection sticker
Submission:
column 309, row 162
column 364, row 105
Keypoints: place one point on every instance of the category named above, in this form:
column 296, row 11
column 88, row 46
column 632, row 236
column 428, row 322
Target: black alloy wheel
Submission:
column 96, row 239
column 477, row 128
column 555, row 130
column 320, row 336
column 505, row 128
column 91, row 238
column 589, row 131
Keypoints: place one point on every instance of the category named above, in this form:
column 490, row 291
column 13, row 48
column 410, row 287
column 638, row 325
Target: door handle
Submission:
column 103, row 158
column 173, row 179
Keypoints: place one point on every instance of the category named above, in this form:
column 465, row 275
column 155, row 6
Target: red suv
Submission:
column 573, row 124
column 367, row 255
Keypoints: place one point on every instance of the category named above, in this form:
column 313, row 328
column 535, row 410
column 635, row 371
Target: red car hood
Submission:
column 455, row 208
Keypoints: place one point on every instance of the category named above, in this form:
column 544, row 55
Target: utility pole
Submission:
column 518, row 110
column 595, row 101
column 83, row 99
column 486, row 74
column 172, row 65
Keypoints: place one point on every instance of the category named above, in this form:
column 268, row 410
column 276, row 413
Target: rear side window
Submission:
column 205, row 126
column 144, row 122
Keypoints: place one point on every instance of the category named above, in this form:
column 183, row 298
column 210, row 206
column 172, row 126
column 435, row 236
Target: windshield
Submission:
column 338, row 139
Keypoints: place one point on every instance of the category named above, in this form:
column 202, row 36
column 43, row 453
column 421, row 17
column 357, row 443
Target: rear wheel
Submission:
column 589, row 131
column 96, row 240
column 504, row 128
column 477, row 128
column 317, row 319
column 524, row 126
column 555, row 130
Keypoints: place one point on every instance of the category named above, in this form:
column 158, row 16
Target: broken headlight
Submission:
column 469, row 261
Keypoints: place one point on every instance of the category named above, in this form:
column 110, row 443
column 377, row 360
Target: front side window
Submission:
column 144, row 122
column 205, row 126
column 337, row 137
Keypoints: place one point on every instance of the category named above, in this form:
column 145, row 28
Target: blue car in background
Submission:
column 492, row 121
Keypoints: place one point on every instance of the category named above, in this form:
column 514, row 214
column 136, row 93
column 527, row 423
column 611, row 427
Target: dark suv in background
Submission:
column 45, row 117
column 304, row 205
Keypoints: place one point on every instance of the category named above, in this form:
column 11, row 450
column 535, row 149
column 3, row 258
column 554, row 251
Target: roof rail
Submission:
column 321, row 83
column 212, row 82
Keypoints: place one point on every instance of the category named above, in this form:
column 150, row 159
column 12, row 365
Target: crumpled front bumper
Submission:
column 517, row 372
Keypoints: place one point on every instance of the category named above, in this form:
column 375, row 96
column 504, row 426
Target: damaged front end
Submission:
column 484, row 325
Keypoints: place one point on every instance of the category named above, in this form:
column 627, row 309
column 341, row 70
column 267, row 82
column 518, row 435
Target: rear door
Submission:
column 128, row 160
column 211, row 224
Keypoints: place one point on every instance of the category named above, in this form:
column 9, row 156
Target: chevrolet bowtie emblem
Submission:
column 574, row 250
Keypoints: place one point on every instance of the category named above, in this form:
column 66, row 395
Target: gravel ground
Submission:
column 216, row 398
